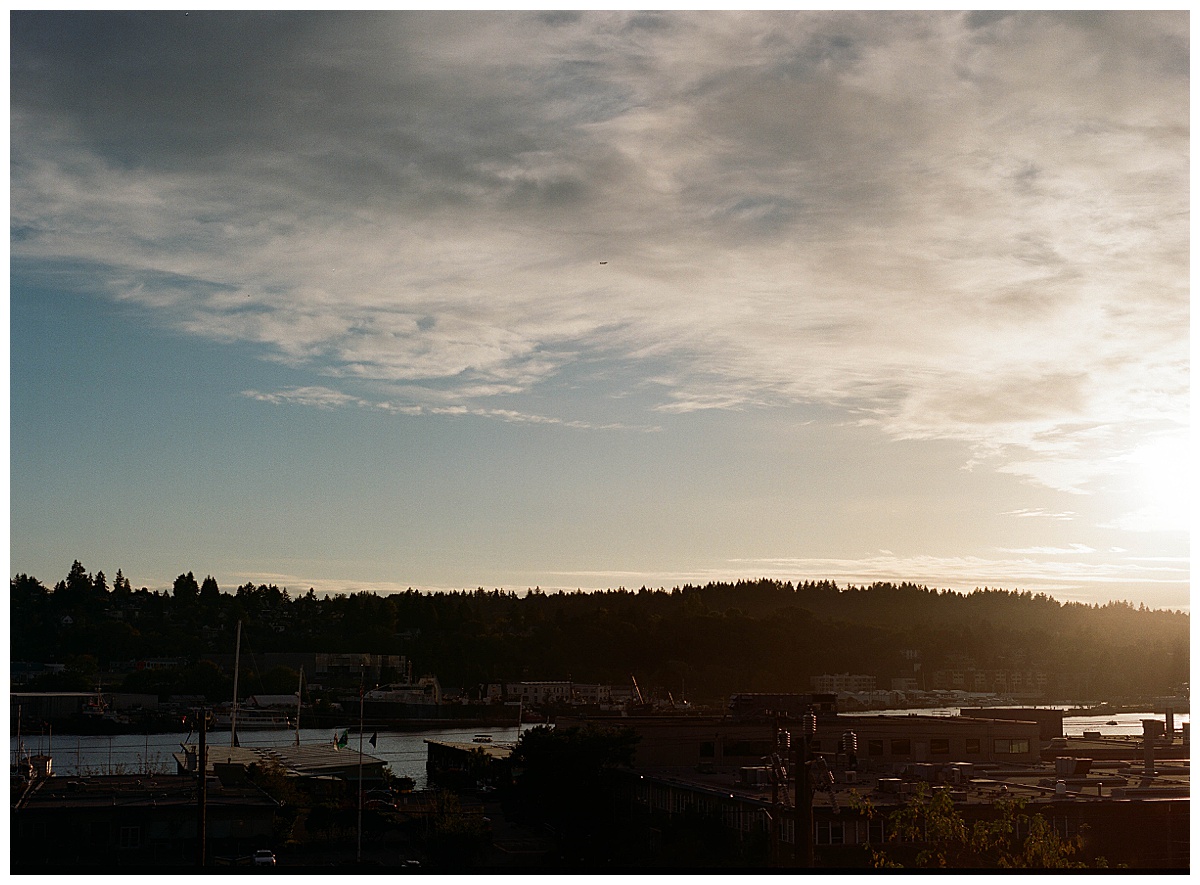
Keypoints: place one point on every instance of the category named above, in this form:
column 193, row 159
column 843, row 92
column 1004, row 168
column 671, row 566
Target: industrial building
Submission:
column 304, row 761
column 1133, row 810
column 113, row 822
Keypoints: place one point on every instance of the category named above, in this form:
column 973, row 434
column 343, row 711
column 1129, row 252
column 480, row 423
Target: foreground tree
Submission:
column 929, row 832
column 563, row 782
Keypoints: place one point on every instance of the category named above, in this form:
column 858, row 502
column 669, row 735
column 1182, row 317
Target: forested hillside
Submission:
column 709, row 641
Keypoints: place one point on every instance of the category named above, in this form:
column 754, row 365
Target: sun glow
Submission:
column 1161, row 486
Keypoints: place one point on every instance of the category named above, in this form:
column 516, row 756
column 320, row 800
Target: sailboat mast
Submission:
column 237, row 666
column 299, row 701
column 361, row 690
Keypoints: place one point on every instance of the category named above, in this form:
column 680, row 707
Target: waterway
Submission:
column 1123, row 724
column 403, row 751
column 75, row 755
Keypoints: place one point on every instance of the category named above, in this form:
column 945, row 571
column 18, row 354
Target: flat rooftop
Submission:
column 156, row 791
column 497, row 751
column 306, row 760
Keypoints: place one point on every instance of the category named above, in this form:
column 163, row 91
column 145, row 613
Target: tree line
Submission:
column 702, row 642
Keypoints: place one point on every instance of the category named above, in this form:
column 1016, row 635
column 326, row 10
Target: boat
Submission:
column 1111, row 722
column 236, row 718
column 96, row 717
column 250, row 719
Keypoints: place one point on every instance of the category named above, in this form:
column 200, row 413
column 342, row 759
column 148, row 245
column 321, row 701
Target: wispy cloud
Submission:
column 950, row 227
column 1079, row 576
column 1085, row 577
column 1165, row 576
column 329, row 398
column 1072, row 550
column 1038, row 513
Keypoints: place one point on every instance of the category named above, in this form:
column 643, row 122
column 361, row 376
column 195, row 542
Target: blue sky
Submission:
column 371, row 301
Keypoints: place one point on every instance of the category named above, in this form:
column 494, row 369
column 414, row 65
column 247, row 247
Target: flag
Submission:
column 340, row 740
column 374, row 738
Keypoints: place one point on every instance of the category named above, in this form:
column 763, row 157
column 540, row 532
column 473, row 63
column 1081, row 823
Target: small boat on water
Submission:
column 250, row 719
column 1111, row 722
column 97, row 717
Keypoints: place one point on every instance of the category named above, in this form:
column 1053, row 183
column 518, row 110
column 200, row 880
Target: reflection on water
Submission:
column 403, row 751
column 1126, row 724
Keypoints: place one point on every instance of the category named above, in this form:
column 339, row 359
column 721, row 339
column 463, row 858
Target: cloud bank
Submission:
column 946, row 225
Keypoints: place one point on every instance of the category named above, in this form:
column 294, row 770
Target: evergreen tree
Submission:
column 210, row 593
column 186, row 589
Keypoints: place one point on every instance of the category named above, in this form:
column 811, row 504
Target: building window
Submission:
column 1065, row 827
column 939, row 746
column 875, row 831
column 131, row 837
column 901, row 747
column 1012, row 745
column 708, row 749
column 875, row 747
column 973, row 747
column 830, row 833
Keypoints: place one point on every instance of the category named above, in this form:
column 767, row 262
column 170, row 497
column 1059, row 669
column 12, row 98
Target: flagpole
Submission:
column 360, row 757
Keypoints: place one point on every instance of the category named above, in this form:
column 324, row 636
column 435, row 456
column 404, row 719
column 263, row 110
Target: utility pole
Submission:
column 237, row 665
column 202, row 786
column 775, row 816
column 804, row 822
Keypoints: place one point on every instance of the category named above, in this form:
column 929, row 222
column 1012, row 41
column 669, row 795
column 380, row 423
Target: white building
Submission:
column 842, row 682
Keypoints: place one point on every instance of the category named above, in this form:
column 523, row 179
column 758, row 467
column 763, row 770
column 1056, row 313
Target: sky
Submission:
column 370, row 301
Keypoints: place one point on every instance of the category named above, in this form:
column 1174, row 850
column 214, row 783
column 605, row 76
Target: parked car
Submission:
column 264, row 858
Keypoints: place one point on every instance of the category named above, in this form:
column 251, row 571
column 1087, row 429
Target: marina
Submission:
column 404, row 752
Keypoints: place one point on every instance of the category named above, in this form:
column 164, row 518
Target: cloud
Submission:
column 1165, row 578
column 950, row 226
column 325, row 397
column 1072, row 550
column 308, row 396
column 1038, row 513
column 1066, row 579
column 1026, row 570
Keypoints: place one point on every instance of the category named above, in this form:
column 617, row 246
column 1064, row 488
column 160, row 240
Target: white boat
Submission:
column 250, row 719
